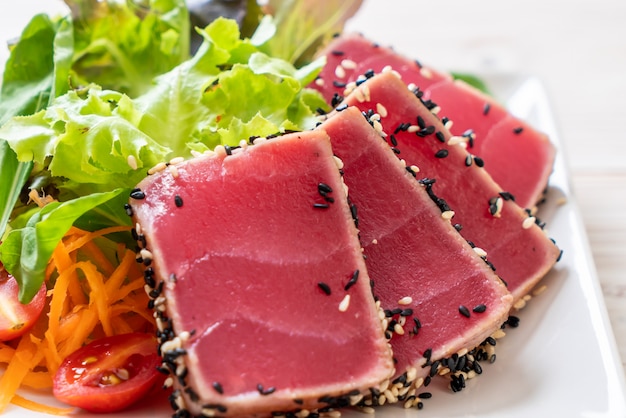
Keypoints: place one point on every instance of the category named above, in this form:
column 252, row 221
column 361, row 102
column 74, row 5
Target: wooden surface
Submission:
column 578, row 50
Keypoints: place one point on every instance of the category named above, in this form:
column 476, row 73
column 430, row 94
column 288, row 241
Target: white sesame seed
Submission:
column 407, row 300
column 319, row 82
column 366, row 92
column 348, row 64
column 398, row 329
column 382, row 110
column 539, row 290
column 367, row 410
column 413, row 128
column 415, row 169
column 159, row 167
column 447, row 215
column 374, row 241
column 338, row 162
column 340, row 72
column 173, row 171
column 345, row 303
column 480, row 252
column 426, row 72
column 360, row 97
column 176, row 160
column 132, row 162
column 455, row 140
column 528, row 222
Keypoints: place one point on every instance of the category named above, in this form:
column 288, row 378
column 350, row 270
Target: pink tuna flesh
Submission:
column 247, row 260
column 518, row 248
column 521, row 165
column 412, row 251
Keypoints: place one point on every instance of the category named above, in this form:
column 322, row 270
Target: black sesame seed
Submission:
column 468, row 160
column 321, row 205
column 228, row 149
column 178, row 201
column 507, row 196
column 353, row 280
column 440, row 136
column 486, row 108
column 218, row 387
column 425, row 395
column 479, row 161
column 341, row 107
column 128, row 209
column 264, row 391
column 137, row 194
column 325, row 287
column 442, row 153
column 406, row 312
column 513, row 321
column 477, row 368
column 325, row 188
column 518, row 130
column 464, row 311
column 337, row 53
column 420, row 122
column 479, row 308
column 336, row 99
column 339, row 84
column 393, row 140
column 426, row 131
column 395, row 150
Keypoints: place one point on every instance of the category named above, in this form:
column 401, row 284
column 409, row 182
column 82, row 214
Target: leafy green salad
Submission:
column 92, row 100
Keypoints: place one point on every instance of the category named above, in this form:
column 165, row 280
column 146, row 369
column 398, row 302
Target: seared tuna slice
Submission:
column 517, row 247
column 261, row 291
column 519, row 160
column 427, row 277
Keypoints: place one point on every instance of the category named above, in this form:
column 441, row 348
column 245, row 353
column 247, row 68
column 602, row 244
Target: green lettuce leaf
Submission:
column 121, row 46
column 25, row 251
column 13, row 176
column 302, row 26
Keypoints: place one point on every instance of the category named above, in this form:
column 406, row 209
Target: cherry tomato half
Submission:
column 109, row 374
column 17, row 318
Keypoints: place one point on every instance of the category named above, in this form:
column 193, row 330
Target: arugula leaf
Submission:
column 13, row 175
column 38, row 68
column 25, row 251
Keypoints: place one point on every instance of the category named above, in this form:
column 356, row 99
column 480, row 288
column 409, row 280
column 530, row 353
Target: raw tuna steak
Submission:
column 518, row 160
column 427, row 277
column 518, row 248
column 260, row 285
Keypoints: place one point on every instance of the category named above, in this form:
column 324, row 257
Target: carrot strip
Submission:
column 98, row 295
column 96, row 256
column 89, row 297
column 25, row 358
column 37, row 407
column 120, row 274
column 37, row 380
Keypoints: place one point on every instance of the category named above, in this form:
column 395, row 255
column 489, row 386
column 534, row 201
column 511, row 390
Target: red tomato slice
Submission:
column 109, row 374
column 17, row 318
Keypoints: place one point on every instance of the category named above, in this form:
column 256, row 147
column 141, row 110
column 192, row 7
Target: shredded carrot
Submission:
column 91, row 294
column 37, row 407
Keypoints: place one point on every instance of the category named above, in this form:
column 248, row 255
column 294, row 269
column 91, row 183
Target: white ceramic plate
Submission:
column 562, row 360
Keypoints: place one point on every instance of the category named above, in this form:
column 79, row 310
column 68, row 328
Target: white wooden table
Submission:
column 578, row 50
